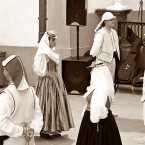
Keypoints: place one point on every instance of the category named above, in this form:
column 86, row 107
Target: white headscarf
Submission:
column 106, row 16
column 43, row 48
column 15, row 68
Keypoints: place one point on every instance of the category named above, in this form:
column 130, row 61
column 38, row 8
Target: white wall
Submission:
column 19, row 22
column 93, row 4
column 56, row 14
column 134, row 4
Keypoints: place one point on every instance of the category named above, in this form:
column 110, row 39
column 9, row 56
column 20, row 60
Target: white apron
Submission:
column 24, row 110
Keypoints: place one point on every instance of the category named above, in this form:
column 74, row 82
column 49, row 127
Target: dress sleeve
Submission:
column 40, row 65
column 6, row 126
column 37, row 121
column 98, row 40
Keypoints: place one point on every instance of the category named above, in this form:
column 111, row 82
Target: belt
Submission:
column 101, row 63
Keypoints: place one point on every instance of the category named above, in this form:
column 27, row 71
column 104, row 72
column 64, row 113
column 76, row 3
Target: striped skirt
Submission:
column 54, row 104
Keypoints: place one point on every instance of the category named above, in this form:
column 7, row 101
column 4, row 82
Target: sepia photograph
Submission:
column 72, row 72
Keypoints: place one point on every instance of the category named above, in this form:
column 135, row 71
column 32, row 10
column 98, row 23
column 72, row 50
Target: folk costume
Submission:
column 51, row 89
column 20, row 113
column 98, row 126
column 106, row 46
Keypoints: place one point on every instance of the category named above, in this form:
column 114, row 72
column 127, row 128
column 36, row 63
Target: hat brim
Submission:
column 114, row 17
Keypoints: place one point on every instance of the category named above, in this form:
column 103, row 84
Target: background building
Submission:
column 19, row 27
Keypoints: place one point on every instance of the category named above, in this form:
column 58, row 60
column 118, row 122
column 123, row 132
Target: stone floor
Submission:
column 130, row 123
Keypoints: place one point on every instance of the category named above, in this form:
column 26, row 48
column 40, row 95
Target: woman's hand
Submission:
column 28, row 132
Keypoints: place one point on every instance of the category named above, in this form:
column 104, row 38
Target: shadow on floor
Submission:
column 130, row 125
column 64, row 140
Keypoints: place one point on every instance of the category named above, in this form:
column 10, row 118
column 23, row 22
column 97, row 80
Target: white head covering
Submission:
column 43, row 47
column 15, row 68
column 106, row 16
column 51, row 33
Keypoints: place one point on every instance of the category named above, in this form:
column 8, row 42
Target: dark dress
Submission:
column 105, row 132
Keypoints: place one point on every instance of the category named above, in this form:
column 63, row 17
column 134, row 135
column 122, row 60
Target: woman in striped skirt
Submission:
column 50, row 89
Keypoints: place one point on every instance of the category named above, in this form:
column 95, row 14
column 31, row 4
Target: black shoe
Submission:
column 57, row 135
column 45, row 136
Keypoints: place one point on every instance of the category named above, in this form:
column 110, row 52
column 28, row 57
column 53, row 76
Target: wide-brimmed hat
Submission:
column 106, row 16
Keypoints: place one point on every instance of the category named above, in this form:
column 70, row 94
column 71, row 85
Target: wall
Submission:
column 133, row 16
column 134, row 4
column 19, row 22
column 19, row 28
column 93, row 4
column 56, row 14
column 86, row 35
column 27, row 55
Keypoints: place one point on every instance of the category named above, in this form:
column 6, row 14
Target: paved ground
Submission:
column 130, row 123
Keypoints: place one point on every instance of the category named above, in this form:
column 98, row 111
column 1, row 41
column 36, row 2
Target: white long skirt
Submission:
column 101, row 78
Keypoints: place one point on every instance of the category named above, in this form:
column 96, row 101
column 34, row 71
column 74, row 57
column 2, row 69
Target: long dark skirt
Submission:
column 103, row 133
column 2, row 138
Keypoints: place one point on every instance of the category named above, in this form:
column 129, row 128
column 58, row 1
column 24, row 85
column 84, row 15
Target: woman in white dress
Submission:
column 98, row 126
column 20, row 113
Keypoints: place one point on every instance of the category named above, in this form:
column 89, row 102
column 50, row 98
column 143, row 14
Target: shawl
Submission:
column 43, row 48
column 14, row 66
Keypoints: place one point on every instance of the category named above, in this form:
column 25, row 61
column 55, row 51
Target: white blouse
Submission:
column 10, row 129
column 40, row 65
column 98, row 40
column 102, row 87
